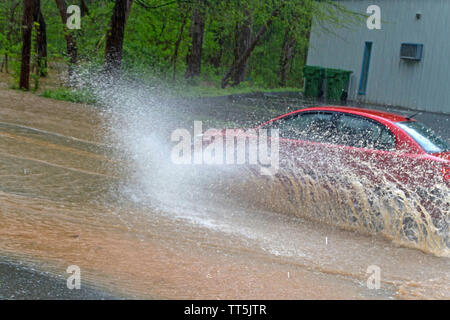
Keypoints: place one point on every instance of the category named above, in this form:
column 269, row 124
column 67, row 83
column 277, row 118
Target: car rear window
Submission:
column 424, row 136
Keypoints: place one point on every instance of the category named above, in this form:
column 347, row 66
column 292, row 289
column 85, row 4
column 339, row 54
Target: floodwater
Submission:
column 77, row 188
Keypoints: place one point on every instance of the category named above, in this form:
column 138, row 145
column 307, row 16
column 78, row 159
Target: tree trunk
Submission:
column 127, row 13
column 243, row 39
column 115, row 35
column 243, row 58
column 177, row 46
column 27, row 29
column 286, row 55
column 216, row 59
column 72, row 50
column 84, row 8
column 11, row 30
column 5, row 63
column 41, row 40
column 194, row 57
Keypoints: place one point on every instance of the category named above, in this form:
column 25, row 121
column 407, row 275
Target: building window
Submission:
column 365, row 68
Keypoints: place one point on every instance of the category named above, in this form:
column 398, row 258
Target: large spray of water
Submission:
column 140, row 119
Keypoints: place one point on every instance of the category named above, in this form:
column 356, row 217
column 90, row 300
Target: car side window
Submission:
column 286, row 126
column 360, row 132
column 312, row 126
column 317, row 127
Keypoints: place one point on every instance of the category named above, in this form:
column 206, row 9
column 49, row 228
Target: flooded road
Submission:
column 68, row 198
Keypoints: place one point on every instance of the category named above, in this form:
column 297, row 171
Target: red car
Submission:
column 372, row 144
column 379, row 149
column 394, row 144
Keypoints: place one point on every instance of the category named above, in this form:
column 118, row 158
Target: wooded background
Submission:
column 260, row 43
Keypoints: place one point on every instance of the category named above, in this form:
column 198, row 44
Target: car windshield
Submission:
column 425, row 137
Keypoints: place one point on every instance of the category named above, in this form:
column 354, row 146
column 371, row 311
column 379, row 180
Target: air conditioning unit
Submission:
column 411, row 51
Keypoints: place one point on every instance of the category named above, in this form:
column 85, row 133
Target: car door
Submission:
column 366, row 148
column 304, row 140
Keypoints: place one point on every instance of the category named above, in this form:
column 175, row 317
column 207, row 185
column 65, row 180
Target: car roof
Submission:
column 359, row 111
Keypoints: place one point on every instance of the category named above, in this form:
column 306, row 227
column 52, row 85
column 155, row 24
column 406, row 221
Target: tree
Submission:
column 216, row 57
column 246, row 54
column 177, row 47
column 115, row 35
column 287, row 53
column 243, row 39
column 11, row 30
column 196, row 31
column 27, row 30
column 41, row 40
column 84, row 8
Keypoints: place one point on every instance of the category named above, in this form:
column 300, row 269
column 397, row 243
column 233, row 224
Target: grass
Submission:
column 186, row 91
column 213, row 91
column 66, row 94
column 203, row 86
column 197, row 89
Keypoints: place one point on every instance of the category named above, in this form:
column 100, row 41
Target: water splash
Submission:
column 140, row 118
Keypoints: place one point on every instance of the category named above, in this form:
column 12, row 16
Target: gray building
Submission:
column 406, row 63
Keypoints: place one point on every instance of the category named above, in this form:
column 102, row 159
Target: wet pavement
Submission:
column 22, row 282
column 149, row 232
column 247, row 110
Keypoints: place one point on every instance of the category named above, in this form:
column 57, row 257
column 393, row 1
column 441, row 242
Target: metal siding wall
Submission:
column 420, row 85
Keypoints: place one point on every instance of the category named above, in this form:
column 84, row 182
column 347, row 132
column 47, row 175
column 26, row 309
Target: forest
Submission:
column 218, row 43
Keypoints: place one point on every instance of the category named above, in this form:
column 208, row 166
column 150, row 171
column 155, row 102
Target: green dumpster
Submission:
column 313, row 81
column 336, row 83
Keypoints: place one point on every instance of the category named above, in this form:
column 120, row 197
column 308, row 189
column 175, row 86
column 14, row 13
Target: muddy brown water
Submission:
column 58, row 208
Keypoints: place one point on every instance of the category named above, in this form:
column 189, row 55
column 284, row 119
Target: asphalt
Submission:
column 24, row 282
column 247, row 110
